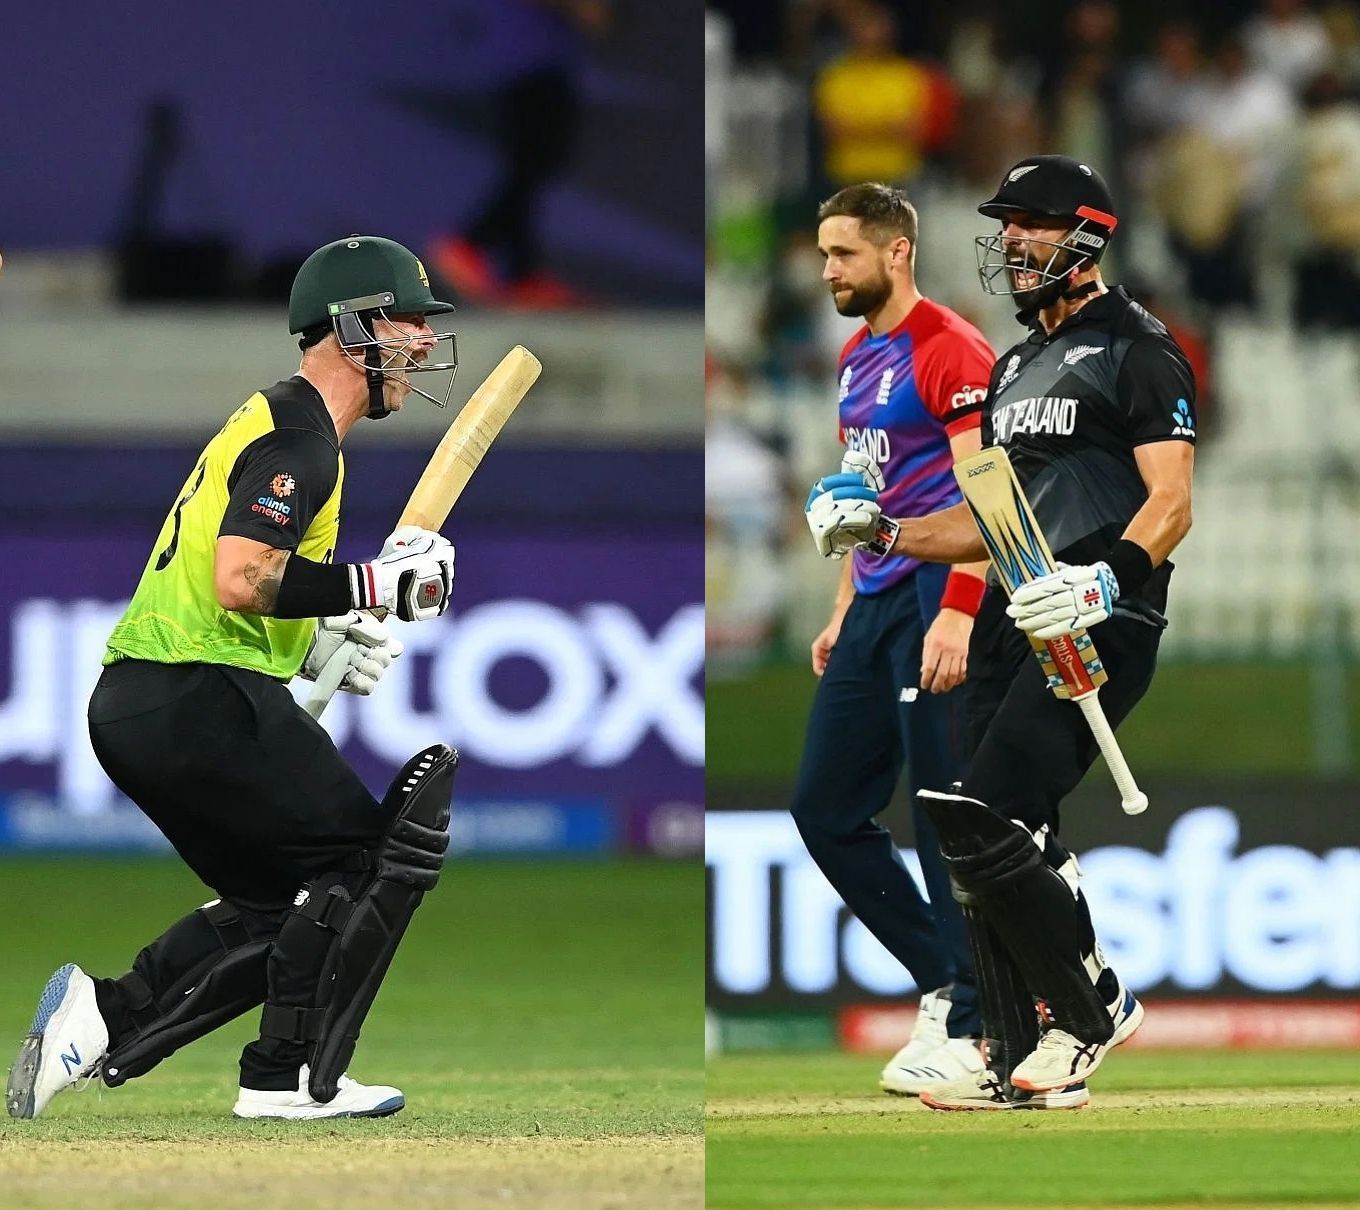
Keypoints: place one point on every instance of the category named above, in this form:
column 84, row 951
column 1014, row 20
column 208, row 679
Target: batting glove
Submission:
column 842, row 513
column 373, row 649
column 412, row 576
column 1068, row 599
column 857, row 462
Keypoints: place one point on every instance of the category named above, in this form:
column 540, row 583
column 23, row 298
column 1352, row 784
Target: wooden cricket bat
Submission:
column 1019, row 554
column 458, row 454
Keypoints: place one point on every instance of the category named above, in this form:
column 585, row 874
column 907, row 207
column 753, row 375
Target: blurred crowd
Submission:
column 1229, row 133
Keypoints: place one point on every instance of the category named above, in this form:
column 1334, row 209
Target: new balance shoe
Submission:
column 1061, row 1060
column 67, row 1041
column 957, row 1059
column 928, row 1034
column 354, row 1100
column 984, row 1091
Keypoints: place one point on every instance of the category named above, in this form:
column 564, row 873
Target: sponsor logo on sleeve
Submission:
column 1183, row 421
column 967, row 397
column 283, row 484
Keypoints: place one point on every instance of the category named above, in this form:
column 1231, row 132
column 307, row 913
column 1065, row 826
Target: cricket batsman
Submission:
column 315, row 879
column 1095, row 408
column 894, row 653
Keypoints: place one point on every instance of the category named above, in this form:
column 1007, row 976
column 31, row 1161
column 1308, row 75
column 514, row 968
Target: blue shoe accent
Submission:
column 52, row 996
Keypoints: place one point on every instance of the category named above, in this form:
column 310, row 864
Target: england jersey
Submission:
column 902, row 396
column 1071, row 407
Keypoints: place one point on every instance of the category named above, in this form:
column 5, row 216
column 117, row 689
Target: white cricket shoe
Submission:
column 957, row 1059
column 1061, row 1060
column 67, row 1041
column 928, row 1034
column 984, row 1091
column 354, row 1100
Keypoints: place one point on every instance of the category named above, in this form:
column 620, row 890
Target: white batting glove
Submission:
column 1068, row 599
column 842, row 513
column 412, row 576
column 373, row 650
column 857, row 462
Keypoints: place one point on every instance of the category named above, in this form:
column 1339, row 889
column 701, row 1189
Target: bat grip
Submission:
column 328, row 681
column 1133, row 800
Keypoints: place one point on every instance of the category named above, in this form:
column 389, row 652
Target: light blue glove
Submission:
column 842, row 512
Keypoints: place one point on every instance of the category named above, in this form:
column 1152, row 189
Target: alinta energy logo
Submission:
column 1181, row 418
column 282, row 485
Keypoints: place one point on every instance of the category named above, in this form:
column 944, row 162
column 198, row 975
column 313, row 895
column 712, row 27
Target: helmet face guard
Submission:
column 386, row 358
column 997, row 266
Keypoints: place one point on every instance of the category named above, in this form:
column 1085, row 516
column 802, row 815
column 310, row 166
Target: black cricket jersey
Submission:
column 1070, row 408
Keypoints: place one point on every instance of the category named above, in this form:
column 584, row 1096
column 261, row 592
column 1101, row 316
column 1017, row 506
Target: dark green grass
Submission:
column 1223, row 1129
column 530, row 999
column 1261, row 718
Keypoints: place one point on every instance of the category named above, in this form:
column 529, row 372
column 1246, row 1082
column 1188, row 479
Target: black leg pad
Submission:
column 997, row 865
column 409, row 859
column 234, row 984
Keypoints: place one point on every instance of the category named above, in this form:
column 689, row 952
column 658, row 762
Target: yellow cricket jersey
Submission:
column 272, row 473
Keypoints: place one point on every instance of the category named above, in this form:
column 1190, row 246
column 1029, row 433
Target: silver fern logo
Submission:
column 1017, row 173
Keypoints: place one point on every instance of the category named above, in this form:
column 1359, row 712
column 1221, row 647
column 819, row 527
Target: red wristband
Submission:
column 963, row 592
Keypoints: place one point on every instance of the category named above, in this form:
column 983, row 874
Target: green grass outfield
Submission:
column 1243, row 719
column 1164, row 1129
column 543, row 1018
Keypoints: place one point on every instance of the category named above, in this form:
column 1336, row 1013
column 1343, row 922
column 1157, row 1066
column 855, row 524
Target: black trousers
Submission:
column 1030, row 749
column 253, row 795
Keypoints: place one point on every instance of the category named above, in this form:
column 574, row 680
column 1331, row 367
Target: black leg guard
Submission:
column 1030, row 907
column 409, row 860
column 338, row 941
column 217, row 988
column 1009, row 1021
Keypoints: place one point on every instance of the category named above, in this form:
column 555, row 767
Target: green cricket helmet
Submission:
column 346, row 285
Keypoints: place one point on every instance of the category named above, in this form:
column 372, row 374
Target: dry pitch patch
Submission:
column 341, row 1170
column 878, row 1106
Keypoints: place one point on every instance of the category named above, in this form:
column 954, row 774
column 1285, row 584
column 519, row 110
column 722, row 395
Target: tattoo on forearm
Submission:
column 264, row 575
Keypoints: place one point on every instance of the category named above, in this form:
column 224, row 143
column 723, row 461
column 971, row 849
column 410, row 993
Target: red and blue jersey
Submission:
column 902, row 396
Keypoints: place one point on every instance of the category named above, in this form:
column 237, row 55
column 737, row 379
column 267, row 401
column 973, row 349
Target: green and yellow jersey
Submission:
column 272, row 473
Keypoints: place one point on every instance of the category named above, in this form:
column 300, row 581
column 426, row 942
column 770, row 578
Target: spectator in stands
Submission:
column 1080, row 89
column 1288, row 41
column 1162, row 94
column 1342, row 20
column 498, row 257
column 880, row 113
column 1325, row 188
column 1218, row 174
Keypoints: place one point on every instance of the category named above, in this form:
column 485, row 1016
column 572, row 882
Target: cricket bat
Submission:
column 458, row 454
column 1019, row 554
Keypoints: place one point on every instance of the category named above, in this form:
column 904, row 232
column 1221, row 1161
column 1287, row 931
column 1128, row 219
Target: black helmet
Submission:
column 1051, row 186
column 349, row 283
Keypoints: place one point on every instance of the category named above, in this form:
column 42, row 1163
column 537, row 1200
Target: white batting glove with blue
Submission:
column 842, row 513
column 1068, row 599
column 372, row 650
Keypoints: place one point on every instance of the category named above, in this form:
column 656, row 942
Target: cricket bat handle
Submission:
column 328, row 682
column 1133, row 800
